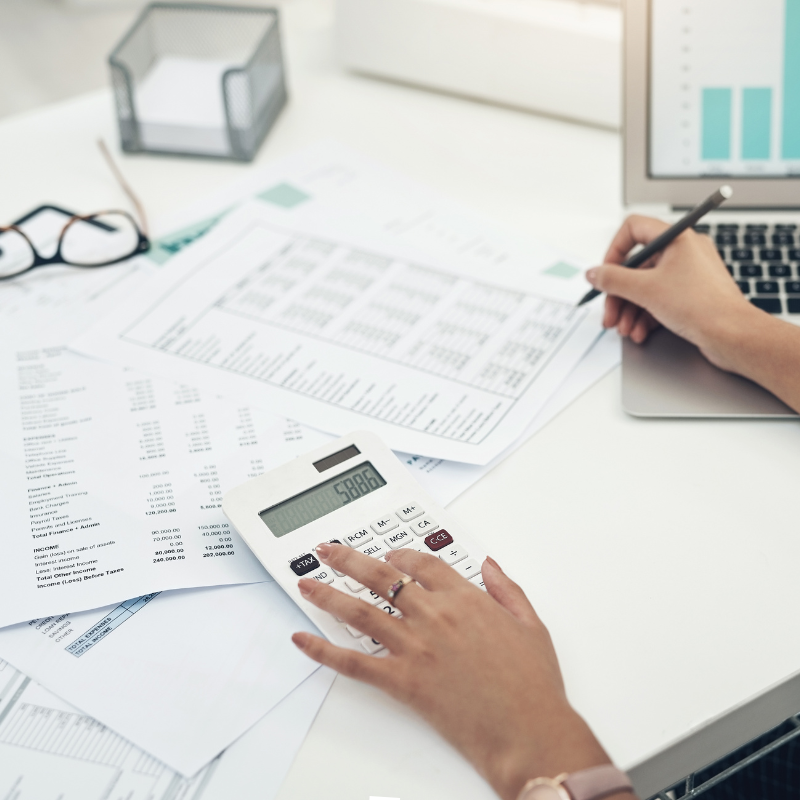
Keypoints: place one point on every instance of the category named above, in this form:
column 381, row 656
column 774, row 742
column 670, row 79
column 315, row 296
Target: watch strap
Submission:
column 595, row 783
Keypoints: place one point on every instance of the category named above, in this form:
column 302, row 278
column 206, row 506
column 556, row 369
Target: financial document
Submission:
column 113, row 483
column 329, row 181
column 50, row 750
column 446, row 480
column 342, row 335
column 180, row 674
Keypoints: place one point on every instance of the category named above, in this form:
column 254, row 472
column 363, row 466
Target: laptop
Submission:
column 712, row 96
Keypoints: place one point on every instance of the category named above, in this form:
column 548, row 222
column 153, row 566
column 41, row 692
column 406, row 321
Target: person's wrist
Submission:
column 725, row 336
column 569, row 745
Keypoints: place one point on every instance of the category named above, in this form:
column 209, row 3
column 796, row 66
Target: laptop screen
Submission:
column 724, row 89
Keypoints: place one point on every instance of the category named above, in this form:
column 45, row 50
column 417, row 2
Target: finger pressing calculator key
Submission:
column 374, row 549
column 352, row 491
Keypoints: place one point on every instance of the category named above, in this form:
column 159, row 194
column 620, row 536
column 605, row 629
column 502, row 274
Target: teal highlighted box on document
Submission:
column 284, row 195
column 561, row 270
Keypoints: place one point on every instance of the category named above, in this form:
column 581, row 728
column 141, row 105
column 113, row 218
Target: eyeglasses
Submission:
column 92, row 240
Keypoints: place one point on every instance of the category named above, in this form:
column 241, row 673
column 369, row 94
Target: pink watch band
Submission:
column 596, row 782
column 593, row 783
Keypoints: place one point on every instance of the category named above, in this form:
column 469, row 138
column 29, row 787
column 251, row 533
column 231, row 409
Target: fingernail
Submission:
column 305, row 586
column 388, row 556
column 323, row 550
column 299, row 640
column 591, row 276
column 494, row 563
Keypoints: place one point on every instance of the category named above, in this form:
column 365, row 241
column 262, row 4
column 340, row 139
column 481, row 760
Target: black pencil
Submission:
column 660, row 242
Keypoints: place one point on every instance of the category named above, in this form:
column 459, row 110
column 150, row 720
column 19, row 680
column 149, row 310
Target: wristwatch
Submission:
column 593, row 783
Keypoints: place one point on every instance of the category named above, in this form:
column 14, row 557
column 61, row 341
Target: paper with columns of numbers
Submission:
column 446, row 480
column 50, row 749
column 113, row 483
column 180, row 674
column 346, row 334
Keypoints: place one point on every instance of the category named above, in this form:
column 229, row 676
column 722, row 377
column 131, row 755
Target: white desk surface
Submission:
column 662, row 554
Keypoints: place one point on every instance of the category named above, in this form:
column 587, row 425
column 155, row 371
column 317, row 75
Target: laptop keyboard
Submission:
column 764, row 261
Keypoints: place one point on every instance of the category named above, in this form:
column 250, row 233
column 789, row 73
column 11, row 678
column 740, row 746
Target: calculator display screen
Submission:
column 314, row 503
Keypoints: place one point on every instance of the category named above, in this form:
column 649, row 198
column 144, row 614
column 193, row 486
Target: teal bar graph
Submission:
column 790, row 128
column 756, row 123
column 716, row 121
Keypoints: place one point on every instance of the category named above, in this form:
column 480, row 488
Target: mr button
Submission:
column 304, row 564
column 438, row 540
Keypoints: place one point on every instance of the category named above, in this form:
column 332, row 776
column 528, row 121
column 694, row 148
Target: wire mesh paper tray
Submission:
column 199, row 79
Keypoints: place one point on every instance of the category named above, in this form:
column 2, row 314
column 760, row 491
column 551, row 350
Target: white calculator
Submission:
column 352, row 491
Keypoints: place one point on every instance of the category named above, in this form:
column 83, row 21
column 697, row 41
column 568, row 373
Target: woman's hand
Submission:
column 480, row 667
column 685, row 288
column 688, row 289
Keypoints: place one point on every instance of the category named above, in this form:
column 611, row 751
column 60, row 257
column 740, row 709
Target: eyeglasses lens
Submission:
column 99, row 240
column 16, row 254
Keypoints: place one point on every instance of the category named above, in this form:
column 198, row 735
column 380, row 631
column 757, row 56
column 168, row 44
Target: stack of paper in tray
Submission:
column 321, row 295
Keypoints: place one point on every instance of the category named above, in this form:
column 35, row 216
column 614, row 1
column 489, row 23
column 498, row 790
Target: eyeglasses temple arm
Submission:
column 124, row 184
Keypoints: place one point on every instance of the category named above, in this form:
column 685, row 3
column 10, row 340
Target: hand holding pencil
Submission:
column 688, row 290
column 669, row 234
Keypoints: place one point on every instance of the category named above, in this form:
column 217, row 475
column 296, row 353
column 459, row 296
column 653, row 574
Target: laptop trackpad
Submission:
column 669, row 377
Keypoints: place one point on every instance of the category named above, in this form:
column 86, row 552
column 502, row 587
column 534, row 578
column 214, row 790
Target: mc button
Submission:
column 438, row 540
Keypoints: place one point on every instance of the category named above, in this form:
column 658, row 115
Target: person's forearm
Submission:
column 764, row 349
column 572, row 746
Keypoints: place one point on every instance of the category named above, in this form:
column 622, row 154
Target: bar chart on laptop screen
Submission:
column 725, row 88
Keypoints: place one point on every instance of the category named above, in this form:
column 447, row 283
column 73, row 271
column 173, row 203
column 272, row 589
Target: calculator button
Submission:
column 370, row 597
column 354, row 632
column 374, row 549
column 325, row 575
column 424, row 526
column 353, row 585
column 332, row 541
column 371, row 646
column 409, row 512
column 389, row 609
column 399, row 538
column 438, row 540
column 383, row 524
column 477, row 580
column 467, row 568
column 453, row 554
column 359, row 537
column 304, row 564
